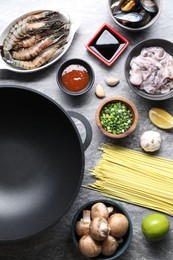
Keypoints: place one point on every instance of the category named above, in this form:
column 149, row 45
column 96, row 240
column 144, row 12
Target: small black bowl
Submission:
column 79, row 62
column 168, row 47
column 118, row 209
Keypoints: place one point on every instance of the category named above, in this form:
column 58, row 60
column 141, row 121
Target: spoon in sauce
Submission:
column 161, row 118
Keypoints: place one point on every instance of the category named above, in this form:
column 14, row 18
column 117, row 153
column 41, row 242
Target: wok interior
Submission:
column 41, row 163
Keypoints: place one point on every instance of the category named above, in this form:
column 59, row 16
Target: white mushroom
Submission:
column 99, row 228
column 109, row 246
column 99, row 209
column 82, row 226
column 110, row 210
column 89, row 247
column 118, row 224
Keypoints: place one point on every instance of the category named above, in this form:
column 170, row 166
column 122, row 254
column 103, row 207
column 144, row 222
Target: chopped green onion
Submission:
column 116, row 118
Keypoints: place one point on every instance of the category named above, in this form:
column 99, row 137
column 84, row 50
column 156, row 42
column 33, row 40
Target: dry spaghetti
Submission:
column 135, row 177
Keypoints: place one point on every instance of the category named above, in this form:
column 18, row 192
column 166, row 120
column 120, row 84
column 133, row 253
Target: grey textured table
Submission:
column 55, row 243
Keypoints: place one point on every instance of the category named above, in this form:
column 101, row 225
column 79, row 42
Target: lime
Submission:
column 155, row 226
column 161, row 118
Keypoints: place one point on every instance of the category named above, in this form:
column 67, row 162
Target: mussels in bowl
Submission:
column 135, row 15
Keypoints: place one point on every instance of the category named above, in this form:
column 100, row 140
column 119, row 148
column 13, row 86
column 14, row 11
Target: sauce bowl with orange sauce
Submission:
column 75, row 77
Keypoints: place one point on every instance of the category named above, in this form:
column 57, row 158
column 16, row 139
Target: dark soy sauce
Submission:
column 107, row 45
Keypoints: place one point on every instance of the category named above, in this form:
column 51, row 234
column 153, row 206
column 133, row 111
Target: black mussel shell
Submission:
column 120, row 6
column 115, row 4
column 132, row 17
column 146, row 18
column 149, row 6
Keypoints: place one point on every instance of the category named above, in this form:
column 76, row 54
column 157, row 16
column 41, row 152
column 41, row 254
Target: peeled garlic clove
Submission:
column 99, row 91
column 111, row 81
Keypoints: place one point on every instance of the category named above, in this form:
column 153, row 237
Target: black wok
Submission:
column 41, row 162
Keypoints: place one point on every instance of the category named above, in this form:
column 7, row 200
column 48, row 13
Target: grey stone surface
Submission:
column 55, row 243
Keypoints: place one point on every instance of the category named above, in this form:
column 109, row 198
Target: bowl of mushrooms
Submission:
column 101, row 229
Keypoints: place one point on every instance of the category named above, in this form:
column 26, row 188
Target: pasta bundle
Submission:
column 135, row 177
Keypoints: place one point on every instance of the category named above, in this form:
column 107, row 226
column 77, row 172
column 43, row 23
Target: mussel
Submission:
column 146, row 18
column 129, row 5
column 135, row 13
column 149, row 6
column 120, row 6
column 132, row 17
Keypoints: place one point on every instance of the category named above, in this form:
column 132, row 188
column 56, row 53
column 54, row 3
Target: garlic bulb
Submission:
column 150, row 141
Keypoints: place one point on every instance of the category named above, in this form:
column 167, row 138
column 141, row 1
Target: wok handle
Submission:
column 87, row 126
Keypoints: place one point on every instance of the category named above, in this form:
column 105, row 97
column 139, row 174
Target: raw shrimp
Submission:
column 33, row 18
column 40, row 60
column 29, row 29
column 33, row 39
column 38, row 16
column 35, row 50
column 29, row 41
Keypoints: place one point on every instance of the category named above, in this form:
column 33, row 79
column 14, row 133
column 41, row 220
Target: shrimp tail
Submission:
column 7, row 57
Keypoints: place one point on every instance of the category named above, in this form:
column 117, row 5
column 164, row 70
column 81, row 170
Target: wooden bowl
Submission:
column 129, row 105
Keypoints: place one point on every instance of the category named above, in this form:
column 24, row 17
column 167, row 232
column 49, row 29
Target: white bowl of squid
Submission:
column 149, row 69
column 36, row 40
